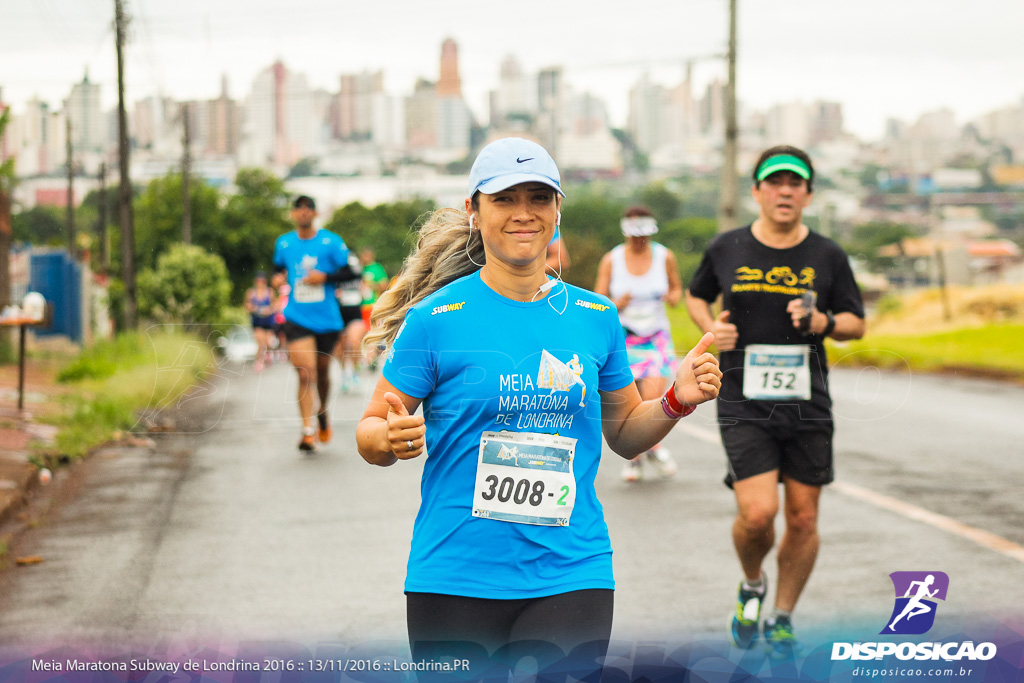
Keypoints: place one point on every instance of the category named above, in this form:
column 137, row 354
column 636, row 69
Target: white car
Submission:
column 239, row 345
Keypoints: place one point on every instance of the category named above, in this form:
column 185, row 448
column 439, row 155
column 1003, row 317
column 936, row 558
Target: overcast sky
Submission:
column 879, row 58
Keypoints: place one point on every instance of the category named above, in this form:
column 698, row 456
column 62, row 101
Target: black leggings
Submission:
column 548, row 629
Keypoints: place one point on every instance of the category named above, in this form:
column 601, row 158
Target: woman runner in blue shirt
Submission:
column 519, row 375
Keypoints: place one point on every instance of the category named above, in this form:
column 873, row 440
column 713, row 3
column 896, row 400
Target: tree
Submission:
column 303, row 167
column 253, row 219
column 688, row 238
column 590, row 227
column 41, row 225
column 159, row 213
column 665, row 204
column 189, row 286
column 867, row 238
column 388, row 229
column 6, row 230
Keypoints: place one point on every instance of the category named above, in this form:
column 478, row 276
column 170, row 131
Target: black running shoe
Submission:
column 747, row 619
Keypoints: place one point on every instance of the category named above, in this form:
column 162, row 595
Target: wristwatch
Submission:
column 830, row 325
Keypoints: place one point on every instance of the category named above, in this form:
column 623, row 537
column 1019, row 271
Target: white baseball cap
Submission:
column 511, row 161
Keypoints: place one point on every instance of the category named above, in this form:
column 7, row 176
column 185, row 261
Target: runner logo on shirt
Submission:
column 522, row 406
column 559, row 376
column 307, row 264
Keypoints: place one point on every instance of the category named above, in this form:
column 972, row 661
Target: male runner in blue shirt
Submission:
column 311, row 260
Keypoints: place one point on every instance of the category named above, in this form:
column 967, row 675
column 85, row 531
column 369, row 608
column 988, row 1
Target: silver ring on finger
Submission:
column 409, row 444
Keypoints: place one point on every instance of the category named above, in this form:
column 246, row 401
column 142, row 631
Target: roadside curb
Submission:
column 18, row 476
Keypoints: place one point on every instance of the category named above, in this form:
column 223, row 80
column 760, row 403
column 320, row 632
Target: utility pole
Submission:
column 131, row 306
column 186, row 172
column 102, row 234
column 70, row 213
column 728, row 201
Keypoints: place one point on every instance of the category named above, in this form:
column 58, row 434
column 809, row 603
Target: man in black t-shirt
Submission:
column 784, row 289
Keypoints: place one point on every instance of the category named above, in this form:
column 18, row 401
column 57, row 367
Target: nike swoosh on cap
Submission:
column 520, row 161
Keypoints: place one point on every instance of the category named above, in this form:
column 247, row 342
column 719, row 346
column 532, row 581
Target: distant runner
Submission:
column 641, row 277
column 310, row 260
column 259, row 302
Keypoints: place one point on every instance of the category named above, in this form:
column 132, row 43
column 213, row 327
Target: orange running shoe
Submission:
column 325, row 434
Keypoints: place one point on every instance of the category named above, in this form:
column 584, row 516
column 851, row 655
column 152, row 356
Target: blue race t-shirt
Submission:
column 485, row 363
column 311, row 306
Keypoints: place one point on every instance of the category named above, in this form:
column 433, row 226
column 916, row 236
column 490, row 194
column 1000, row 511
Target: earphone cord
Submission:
column 468, row 236
column 551, row 284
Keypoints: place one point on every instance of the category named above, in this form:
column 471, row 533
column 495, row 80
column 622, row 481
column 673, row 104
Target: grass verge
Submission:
column 113, row 381
column 989, row 351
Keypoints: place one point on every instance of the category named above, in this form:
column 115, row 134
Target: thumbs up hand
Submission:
column 406, row 433
column 726, row 334
column 698, row 378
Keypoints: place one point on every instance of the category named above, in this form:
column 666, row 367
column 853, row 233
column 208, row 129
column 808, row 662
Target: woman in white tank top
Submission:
column 641, row 277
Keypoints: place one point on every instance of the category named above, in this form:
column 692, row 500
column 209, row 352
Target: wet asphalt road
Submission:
column 224, row 532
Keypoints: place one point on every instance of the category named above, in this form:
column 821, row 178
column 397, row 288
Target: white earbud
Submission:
column 558, row 219
column 472, row 221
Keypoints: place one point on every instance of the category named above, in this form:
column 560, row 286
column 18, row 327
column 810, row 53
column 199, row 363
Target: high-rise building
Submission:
column 355, row 104
column 88, row 129
column 421, row 116
column 449, row 85
column 155, row 126
column 1005, row 126
column 279, row 123
column 587, row 145
column 646, row 119
column 551, row 102
column 28, row 139
column 454, row 120
column 224, row 123
column 516, row 96
column 788, row 124
column 826, row 121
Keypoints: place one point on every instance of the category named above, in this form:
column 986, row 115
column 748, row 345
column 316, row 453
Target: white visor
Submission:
column 639, row 226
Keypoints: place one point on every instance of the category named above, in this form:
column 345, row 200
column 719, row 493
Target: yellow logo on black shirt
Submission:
column 744, row 273
column 778, row 280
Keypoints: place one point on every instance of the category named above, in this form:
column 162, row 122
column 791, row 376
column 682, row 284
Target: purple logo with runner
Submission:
column 916, row 592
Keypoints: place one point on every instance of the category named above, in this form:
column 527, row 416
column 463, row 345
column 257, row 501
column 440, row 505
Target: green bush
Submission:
column 189, row 286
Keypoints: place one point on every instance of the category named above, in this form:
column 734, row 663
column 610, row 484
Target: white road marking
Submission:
column 985, row 539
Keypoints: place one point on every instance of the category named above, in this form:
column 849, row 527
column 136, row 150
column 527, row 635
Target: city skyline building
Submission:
column 362, row 128
column 88, row 123
column 278, row 127
column 449, row 84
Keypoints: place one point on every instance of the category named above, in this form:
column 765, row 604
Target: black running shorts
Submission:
column 798, row 449
column 325, row 341
column 350, row 314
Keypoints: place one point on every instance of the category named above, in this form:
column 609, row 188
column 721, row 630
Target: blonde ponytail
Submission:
column 445, row 251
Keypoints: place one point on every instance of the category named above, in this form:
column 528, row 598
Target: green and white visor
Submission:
column 783, row 162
